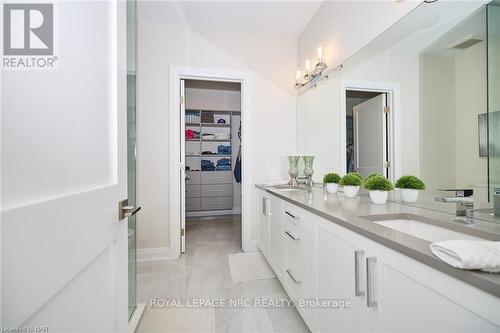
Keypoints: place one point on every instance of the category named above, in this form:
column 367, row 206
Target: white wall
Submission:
column 470, row 88
column 344, row 27
column 165, row 40
column 437, row 121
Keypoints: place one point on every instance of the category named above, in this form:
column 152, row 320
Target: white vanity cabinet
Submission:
column 299, row 258
column 264, row 215
column 387, row 291
column 391, row 292
column 411, row 296
column 340, row 276
column 276, row 240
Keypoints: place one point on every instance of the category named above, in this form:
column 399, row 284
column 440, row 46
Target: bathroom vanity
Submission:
column 362, row 267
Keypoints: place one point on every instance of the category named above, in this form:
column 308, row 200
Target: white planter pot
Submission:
column 379, row 197
column 332, row 187
column 351, row 191
column 408, row 195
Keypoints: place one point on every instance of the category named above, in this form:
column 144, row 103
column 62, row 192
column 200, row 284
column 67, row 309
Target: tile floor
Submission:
column 203, row 272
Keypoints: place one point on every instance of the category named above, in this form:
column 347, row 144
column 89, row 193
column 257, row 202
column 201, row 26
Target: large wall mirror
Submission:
column 421, row 99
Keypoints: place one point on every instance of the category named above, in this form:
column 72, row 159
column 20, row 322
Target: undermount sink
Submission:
column 425, row 231
column 290, row 188
column 418, row 227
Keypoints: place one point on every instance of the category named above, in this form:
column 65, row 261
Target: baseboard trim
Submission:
column 252, row 246
column 213, row 212
column 153, row 253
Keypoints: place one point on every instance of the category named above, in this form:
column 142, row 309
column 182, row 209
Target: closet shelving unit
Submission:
column 209, row 190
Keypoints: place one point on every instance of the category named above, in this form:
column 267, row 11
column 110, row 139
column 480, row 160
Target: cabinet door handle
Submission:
column 370, row 302
column 264, row 206
column 289, row 272
column 290, row 214
column 357, row 255
column 289, row 234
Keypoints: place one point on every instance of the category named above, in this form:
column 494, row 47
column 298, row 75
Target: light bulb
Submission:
column 320, row 53
column 297, row 76
column 308, row 66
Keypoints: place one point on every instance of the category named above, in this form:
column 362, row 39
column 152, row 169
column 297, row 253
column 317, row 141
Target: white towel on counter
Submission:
column 467, row 254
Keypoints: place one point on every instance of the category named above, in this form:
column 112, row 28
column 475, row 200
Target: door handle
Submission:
column 289, row 234
column 289, row 272
column 124, row 210
column 357, row 255
column 370, row 261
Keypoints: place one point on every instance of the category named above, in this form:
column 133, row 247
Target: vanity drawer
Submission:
column 217, row 203
column 193, row 191
column 297, row 277
column 221, row 190
column 193, row 204
column 297, row 241
column 193, row 177
column 216, row 177
column 299, row 216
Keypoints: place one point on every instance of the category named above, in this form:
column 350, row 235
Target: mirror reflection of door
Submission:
column 366, row 128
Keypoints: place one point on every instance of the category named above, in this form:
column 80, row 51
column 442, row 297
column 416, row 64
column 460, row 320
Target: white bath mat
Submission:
column 178, row 320
column 249, row 266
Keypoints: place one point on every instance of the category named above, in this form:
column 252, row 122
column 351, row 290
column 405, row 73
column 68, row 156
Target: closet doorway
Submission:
column 221, row 190
column 212, row 155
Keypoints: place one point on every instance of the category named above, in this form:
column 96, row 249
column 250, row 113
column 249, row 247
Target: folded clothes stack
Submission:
column 221, row 136
column 190, row 134
column 208, row 136
column 207, row 117
column 224, row 164
column 207, row 165
column 224, row 150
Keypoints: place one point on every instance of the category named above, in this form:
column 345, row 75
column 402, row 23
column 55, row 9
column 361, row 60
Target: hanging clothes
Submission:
column 237, row 165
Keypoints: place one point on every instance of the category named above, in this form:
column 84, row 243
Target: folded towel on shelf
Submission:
column 467, row 254
column 223, row 162
column 224, row 150
column 221, row 136
column 223, row 168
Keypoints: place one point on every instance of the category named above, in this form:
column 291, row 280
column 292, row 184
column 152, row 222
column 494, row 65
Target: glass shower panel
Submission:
column 493, row 36
column 131, row 152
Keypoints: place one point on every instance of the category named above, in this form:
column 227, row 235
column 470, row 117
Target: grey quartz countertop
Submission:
column 349, row 212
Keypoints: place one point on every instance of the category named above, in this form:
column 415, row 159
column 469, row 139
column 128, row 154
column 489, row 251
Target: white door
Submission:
column 64, row 249
column 182, row 171
column 370, row 136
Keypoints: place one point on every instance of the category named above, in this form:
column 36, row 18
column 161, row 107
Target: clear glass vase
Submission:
column 308, row 167
column 293, row 170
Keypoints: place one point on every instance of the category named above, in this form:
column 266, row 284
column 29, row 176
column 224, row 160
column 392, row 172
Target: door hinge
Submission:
column 387, row 164
column 387, row 109
column 183, row 232
column 182, row 99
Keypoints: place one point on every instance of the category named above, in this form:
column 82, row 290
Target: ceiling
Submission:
column 282, row 18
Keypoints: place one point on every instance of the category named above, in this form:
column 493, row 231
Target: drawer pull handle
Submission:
column 290, row 214
column 289, row 272
column 289, row 234
column 357, row 255
column 370, row 261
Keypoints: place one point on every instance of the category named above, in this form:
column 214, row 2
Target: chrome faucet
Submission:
column 464, row 200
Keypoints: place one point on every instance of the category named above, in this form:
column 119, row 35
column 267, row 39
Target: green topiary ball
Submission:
column 410, row 182
column 378, row 183
column 331, row 177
